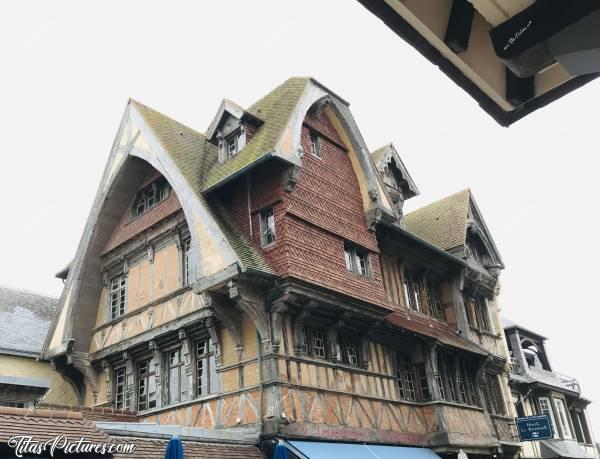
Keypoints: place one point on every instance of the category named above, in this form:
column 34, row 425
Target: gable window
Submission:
column 404, row 376
column 563, row 418
column 206, row 370
column 314, row 342
column 357, row 259
column 267, row 227
column 177, row 380
column 146, row 384
column 434, row 298
column 120, row 401
column 412, row 290
column 150, row 195
column 118, row 296
column 349, row 351
column 187, row 261
column 546, row 408
column 315, row 144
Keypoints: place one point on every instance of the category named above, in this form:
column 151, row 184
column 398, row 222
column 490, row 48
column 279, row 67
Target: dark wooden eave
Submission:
column 505, row 118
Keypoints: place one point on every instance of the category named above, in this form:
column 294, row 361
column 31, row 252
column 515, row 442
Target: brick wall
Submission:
column 312, row 222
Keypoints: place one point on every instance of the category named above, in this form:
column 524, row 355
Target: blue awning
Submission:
column 321, row 450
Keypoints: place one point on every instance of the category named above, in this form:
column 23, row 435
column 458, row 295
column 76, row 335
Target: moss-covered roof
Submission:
column 190, row 151
column 275, row 109
column 442, row 223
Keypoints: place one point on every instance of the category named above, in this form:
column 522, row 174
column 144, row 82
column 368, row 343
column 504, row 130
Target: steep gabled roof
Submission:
column 387, row 154
column 24, row 320
column 235, row 110
column 447, row 222
column 275, row 109
column 442, row 223
column 190, row 151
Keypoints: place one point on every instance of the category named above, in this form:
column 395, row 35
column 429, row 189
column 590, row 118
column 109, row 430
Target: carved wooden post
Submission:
column 278, row 312
column 432, row 371
column 364, row 353
column 298, row 331
column 456, row 286
column 108, row 378
column 228, row 316
column 216, row 340
column 251, row 301
column 130, row 395
column 157, row 355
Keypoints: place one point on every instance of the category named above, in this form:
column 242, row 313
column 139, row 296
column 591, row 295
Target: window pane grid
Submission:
column 188, row 276
column 406, row 384
column 146, row 386
column 151, row 195
column 118, row 292
column 120, row 402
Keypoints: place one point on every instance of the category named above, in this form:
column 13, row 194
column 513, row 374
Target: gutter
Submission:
column 424, row 243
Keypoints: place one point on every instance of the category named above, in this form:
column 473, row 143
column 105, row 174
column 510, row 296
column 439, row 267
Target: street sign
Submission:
column 533, row 428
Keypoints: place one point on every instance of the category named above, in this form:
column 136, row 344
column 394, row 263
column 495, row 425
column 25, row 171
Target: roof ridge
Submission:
column 29, row 292
column 147, row 107
column 464, row 190
column 41, row 413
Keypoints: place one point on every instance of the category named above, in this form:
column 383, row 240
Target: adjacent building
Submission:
column 538, row 389
column 261, row 283
column 25, row 380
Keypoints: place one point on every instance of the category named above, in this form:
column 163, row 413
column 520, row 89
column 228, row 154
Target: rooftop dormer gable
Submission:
column 395, row 175
column 231, row 129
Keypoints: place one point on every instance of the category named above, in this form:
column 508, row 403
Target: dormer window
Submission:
column 231, row 145
column 315, row 144
column 150, row 195
column 267, row 227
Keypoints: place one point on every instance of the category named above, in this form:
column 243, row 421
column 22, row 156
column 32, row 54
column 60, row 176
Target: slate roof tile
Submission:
column 32, row 312
column 442, row 223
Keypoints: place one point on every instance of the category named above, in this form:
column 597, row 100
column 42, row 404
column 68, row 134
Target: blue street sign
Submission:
column 534, row 428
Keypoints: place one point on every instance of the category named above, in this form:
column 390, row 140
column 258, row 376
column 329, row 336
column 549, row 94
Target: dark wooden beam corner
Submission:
column 519, row 90
column 459, row 26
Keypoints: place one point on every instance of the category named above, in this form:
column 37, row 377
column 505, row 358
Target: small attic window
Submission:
column 149, row 196
column 231, row 145
column 315, row 144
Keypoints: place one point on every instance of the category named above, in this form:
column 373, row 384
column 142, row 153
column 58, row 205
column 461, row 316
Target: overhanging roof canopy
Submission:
column 512, row 57
column 322, row 450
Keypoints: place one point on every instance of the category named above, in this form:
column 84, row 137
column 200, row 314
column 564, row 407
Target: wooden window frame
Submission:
column 412, row 290
column 182, row 381
column 139, row 378
column 117, row 304
column 157, row 192
column 357, row 259
column 268, row 233
column 315, row 144
column 120, row 388
column 407, row 389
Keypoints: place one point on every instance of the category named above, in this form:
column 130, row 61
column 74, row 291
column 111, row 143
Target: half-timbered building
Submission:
column 262, row 282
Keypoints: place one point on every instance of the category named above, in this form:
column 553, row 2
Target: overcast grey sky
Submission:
column 68, row 69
